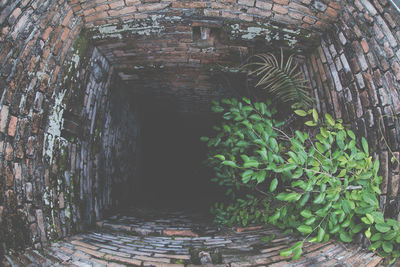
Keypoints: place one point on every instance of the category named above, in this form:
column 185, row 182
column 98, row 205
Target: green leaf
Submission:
column 310, row 123
column 351, row 134
column 310, row 221
column 387, row 247
column 382, row 227
column 221, row 157
column 321, row 233
column 273, row 185
column 364, row 144
column 319, row 199
column 251, row 164
column 261, row 176
column 229, row 163
column 345, row 237
column 329, row 119
column 357, row 228
column 300, row 112
column 204, row 138
column 292, row 196
column 305, row 229
column 297, row 253
column 246, row 100
column 274, row 144
column 366, row 220
column 315, row 115
column 376, row 237
column 286, row 252
column 370, row 198
column 306, row 213
column 368, row 233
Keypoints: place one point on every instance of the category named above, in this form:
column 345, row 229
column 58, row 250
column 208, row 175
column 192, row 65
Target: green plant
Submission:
column 281, row 78
column 324, row 171
column 242, row 212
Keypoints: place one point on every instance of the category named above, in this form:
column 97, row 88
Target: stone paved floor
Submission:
column 140, row 238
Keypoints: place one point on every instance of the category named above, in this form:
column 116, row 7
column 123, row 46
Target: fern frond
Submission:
column 281, row 78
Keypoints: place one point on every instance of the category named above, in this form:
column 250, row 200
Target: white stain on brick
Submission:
column 55, row 125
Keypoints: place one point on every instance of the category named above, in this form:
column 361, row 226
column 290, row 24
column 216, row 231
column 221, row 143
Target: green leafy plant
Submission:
column 242, row 212
column 323, row 171
column 281, row 78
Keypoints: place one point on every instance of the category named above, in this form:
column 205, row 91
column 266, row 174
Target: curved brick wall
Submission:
column 61, row 143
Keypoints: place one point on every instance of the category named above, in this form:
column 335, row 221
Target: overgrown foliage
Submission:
column 281, row 78
column 323, row 171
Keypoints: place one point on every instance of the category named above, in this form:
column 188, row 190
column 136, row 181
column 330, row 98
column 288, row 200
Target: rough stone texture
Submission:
column 226, row 246
column 57, row 129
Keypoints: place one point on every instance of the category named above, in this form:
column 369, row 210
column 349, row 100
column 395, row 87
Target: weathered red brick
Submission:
column 9, row 176
column 264, row 5
column 281, row 2
column 67, row 18
column 9, row 153
column 151, row 7
column 189, row 4
column 12, row 125
column 280, row 9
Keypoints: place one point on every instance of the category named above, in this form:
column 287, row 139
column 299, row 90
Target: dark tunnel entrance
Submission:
column 172, row 110
column 172, row 172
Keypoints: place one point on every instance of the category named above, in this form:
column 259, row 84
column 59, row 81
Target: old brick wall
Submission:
column 35, row 50
column 355, row 73
column 61, row 143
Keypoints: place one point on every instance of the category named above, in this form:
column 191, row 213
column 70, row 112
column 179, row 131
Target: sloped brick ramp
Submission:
column 137, row 238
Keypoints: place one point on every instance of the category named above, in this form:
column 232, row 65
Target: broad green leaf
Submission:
column 221, row 157
column 366, row 220
column 321, row 234
column 315, row 115
column 251, row 164
column 345, row 237
column 319, row 199
column 357, row 228
column 387, row 247
column 370, row 217
column 274, row 144
column 382, row 227
column 310, row 123
column 306, row 213
column 246, row 100
column 297, row 245
column 305, row 229
column 286, row 252
column 376, row 237
column 351, row 134
column 297, row 253
column 292, row 196
column 273, row 185
column 261, row 176
column 390, row 235
column 310, row 221
column 329, row 119
column 229, row 163
column 300, row 112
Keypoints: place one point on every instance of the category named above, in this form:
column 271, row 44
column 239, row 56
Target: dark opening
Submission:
column 172, row 173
